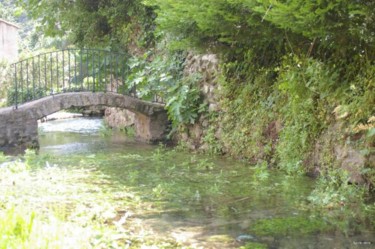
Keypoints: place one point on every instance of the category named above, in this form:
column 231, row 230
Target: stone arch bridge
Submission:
column 59, row 80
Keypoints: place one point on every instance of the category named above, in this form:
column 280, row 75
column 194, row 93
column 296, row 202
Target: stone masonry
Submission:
column 8, row 41
column 19, row 126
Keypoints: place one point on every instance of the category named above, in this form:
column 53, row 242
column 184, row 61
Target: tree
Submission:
column 324, row 29
column 116, row 24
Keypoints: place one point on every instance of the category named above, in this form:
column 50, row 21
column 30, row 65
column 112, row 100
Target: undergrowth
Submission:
column 280, row 114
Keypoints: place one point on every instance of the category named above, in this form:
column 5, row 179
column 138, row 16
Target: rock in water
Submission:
column 245, row 237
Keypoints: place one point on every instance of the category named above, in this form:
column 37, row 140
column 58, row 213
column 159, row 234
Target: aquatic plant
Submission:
column 333, row 190
column 3, row 158
column 105, row 131
column 254, row 245
column 289, row 226
column 16, row 229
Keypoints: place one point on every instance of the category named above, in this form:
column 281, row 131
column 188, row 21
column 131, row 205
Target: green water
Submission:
column 196, row 201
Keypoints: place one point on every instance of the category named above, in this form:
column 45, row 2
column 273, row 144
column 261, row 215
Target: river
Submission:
column 185, row 200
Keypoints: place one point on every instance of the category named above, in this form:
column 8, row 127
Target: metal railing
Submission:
column 70, row 70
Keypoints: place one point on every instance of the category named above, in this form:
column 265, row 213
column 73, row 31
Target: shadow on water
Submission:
column 201, row 201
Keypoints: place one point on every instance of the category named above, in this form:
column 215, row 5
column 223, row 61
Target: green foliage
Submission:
column 129, row 131
column 7, row 10
column 33, row 160
column 105, row 131
column 341, row 27
column 333, row 190
column 359, row 92
column 289, row 226
column 15, row 229
column 185, row 102
column 338, row 28
column 3, row 158
column 157, row 76
column 114, row 24
column 30, row 39
column 154, row 73
column 5, row 71
column 299, row 94
column 249, row 104
column 210, row 138
column 304, row 85
column 24, row 95
column 261, row 173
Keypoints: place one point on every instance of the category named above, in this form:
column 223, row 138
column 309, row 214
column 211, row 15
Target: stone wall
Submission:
column 150, row 127
column 118, row 118
column 207, row 66
column 335, row 147
column 17, row 128
column 338, row 147
column 8, row 41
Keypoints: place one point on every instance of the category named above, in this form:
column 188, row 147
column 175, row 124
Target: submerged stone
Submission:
column 245, row 237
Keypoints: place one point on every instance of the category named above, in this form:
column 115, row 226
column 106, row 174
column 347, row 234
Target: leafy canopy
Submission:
column 97, row 23
column 340, row 28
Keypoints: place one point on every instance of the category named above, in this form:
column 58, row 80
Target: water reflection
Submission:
column 84, row 135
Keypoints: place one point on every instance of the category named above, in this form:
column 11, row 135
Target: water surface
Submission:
column 201, row 201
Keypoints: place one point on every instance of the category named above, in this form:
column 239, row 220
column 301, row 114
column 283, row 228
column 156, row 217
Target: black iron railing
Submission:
column 70, row 70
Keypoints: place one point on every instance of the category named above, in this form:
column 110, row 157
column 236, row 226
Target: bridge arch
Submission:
column 19, row 126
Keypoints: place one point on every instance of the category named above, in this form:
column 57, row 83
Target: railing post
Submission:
column 27, row 79
column 80, row 65
column 21, row 77
column 33, row 75
column 111, row 70
column 51, row 71
column 93, row 70
column 16, row 85
column 116, row 70
column 39, row 68
column 99, row 80
column 69, row 69
column 105, row 71
column 57, row 71
column 87, row 68
column 45, row 74
column 63, row 70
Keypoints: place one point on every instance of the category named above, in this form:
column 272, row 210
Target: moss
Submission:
column 298, row 225
column 254, row 245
